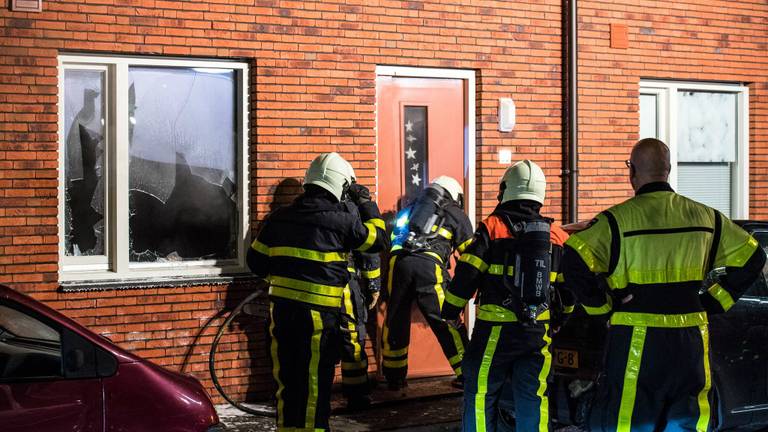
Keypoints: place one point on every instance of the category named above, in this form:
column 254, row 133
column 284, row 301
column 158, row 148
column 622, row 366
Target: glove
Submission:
column 372, row 298
column 358, row 193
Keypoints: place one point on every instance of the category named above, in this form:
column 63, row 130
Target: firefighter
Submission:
column 652, row 253
column 302, row 250
column 508, row 359
column 426, row 234
column 359, row 297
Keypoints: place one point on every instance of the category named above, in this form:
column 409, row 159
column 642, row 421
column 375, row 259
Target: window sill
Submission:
column 156, row 282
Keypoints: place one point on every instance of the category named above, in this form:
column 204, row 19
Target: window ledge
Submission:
column 156, row 282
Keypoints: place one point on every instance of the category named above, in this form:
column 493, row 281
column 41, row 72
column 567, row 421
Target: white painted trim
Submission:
column 668, row 111
column 470, row 137
column 117, row 265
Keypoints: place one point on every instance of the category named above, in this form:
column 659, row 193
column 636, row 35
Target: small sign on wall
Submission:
column 27, row 5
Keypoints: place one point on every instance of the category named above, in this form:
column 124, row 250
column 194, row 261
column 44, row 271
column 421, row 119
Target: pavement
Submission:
column 427, row 405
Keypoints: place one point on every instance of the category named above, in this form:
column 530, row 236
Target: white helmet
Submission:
column 331, row 172
column 523, row 181
column 450, row 185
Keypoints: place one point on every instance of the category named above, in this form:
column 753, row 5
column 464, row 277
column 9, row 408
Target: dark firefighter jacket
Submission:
column 481, row 266
column 454, row 234
column 658, row 247
column 303, row 249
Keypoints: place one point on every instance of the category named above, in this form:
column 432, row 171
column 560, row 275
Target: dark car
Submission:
column 56, row 375
column 739, row 354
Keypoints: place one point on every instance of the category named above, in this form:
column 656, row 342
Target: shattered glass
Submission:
column 84, row 129
column 183, row 164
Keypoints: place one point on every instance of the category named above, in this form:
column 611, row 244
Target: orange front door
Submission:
column 421, row 135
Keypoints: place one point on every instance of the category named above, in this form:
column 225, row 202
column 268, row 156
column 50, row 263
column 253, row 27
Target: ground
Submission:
column 426, row 406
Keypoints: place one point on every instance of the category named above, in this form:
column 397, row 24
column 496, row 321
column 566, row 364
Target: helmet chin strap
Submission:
column 345, row 190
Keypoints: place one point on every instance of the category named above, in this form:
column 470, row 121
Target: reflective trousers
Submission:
column 354, row 360
column 656, row 379
column 507, row 361
column 305, row 350
column 412, row 277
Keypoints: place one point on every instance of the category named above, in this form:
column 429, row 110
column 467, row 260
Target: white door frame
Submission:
column 468, row 76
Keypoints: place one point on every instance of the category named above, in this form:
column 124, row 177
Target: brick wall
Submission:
column 688, row 40
column 313, row 90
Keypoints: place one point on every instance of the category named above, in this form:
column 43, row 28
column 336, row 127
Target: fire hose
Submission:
column 264, row 411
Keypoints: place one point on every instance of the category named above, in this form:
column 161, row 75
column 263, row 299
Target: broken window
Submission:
column 153, row 167
column 182, row 132
column 84, row 127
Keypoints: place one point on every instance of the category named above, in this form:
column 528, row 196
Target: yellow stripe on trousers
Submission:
column 629, row 390
column 440, row 298
column 385, row 328
column 314, row 361
column 482, row 378
column 703, row 399
column 351, row 324
column 542, row 390
column 276, row 367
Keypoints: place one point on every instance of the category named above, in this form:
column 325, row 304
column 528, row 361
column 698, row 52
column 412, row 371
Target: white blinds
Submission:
column 707, row 183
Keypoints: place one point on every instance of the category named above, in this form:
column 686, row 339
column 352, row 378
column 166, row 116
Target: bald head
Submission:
column 650, row 162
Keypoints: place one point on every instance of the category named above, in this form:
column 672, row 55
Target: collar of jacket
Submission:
column 655, row 187
column 519, row 209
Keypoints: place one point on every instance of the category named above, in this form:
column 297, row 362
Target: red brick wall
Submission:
column 688, row 40
column 313, row 90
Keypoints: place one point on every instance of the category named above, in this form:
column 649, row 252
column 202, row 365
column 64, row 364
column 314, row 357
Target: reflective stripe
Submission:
column 353, row 366
column 739, row 257
column 260, row 247
column 395, row 363
column 722, row 296
column 351, row 270
column 351, row 324
column 552, row 277
column 599, row 310
column 542, row 390
column 496, row 313
column 378, row 223
column 276, row 367
column 311, row 287
column 629, row 389
column 642, row 277
column 457, row 371
column 439, row 286
column 442, row 232
column 694, row 319
column 568, row 309
column 307, row 254
column 371, row 239
column 474, row 261
column 304, row 297
column 395, row 353
column 584, row 251
column 498, row 269
column 435, row 255
column 348, row 380
column 460, row 248
column 314, row 361
column 459, row 344
column 371, row 274
column 704, row 411
column 482, row 378
column 455, row 300
column 455, row 359
column 560, row 278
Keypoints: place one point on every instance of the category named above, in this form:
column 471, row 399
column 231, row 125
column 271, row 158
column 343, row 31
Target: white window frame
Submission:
column 667, row 125
column 116, row 264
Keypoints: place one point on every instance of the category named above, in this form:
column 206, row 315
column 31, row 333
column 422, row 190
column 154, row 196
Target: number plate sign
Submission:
column 566, row 358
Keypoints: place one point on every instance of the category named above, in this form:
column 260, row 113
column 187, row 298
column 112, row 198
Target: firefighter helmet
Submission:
column 523, row 181
column 331, row 172
column 450, row 185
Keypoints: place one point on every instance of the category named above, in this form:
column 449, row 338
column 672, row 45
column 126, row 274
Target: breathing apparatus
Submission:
column 528, row 253
column 418, row 225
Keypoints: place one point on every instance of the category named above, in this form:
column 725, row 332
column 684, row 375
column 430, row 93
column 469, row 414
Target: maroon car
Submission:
column 56, row 375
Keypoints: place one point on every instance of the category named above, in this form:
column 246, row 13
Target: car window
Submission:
column 22, row 325
column 29, row 348
column 760, row 287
